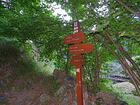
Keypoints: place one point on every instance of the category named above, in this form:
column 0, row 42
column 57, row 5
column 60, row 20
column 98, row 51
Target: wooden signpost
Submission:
column 76, row 49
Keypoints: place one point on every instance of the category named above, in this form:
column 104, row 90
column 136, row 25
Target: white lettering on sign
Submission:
column 75, row 24
column 78, row 70
column 75, row 31
column 76, row 27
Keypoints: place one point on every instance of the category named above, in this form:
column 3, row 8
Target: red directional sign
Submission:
column 74, row 38
column 80, row 48
column 77, row 62
column 77, row 57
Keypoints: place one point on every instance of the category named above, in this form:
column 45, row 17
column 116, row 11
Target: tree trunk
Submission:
column 124, row 54
column 135, row 66
column 67, row 63
column 133, row 76
column 96, row 72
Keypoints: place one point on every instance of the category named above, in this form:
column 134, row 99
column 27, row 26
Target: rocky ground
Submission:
column 58, row 89
column 25, row 91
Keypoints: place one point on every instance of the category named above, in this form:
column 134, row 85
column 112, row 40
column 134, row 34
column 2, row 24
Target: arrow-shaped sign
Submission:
column 77, row 57
column 77, row 62
column 80, row 49
column 74, row 38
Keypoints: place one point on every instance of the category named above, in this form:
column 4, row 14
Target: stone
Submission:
column 59, row 75
column 64, row 101
column 132, row 98
column 125, row 87
column 106, row 99
column 69, row 82
column 44, row 97
column 2, row 83
column 61, row 91
column 13, row 88
column 123, row 103
column 3, row 98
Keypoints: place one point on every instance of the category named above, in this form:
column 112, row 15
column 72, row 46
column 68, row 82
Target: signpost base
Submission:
column 79, row 88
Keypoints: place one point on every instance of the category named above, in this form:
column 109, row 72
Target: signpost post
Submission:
column 79, row 88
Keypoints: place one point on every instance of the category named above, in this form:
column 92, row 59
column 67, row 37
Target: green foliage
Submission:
column 104, row 85
column 27, row 65
column 129, row 98
column 22, row 21
column 9, row 53
column 32, row 21
column 29, row 21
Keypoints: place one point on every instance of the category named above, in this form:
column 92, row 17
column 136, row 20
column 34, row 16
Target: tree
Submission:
column 110, row 19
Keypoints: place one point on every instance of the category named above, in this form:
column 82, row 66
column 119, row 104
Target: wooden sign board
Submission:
column 80, row 48
column 77, row 57
column 74, row 38
column 77, row 62
column 76, row 26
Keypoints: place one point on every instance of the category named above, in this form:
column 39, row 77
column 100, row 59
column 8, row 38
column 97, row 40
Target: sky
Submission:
column 58, row 11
